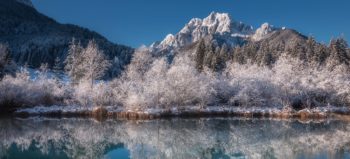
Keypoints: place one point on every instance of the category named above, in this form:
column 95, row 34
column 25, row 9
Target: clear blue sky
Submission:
column 136, row 22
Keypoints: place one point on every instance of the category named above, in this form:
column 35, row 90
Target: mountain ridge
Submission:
column 34, row 38
column 220, row 25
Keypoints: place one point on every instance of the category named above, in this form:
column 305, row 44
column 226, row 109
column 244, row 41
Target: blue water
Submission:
column 217, row 138
column 120, row 153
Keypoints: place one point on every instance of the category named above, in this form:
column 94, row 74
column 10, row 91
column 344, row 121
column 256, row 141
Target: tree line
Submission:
column 265, row 53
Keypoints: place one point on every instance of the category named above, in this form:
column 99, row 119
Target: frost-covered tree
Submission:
column 57, row 68
column 73, row 62
column 237, row 55
column 209, row 57
column 116, row 64
column 338, row 53
column 186, row 85
column 311, row 45
column 7, row 66
column 221, row 58
column 157, row 82
column 264, row 56
column 94, row 62
column 141, row 62
column 44, row 67
column 251, row 52
column 298, row 51
column 321, row 54
column 57, row 65
column 84, row 66
column 85, row 63
column 199, row 55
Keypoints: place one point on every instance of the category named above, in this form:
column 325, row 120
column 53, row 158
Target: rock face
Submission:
column 261, row 32
column 218, row 25
column 34, row 38
column 220, row 28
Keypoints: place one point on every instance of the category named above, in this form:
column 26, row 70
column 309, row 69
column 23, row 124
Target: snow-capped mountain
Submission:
column 217, row 25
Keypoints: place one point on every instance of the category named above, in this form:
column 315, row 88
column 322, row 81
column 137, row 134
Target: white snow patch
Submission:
column 261, row 32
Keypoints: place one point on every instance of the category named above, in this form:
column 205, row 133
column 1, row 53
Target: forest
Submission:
column 294, row 75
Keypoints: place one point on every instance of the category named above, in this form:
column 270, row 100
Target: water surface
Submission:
column 173, row 138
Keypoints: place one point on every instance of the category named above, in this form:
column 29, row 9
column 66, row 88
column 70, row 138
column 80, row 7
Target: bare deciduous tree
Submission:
column 87, row 63
column 94, row 62
column 73, row 62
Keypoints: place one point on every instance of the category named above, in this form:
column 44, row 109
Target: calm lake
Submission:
column 220, row 138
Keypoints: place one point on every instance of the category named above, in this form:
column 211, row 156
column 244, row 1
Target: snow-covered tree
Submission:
column 140, row 64
column 264, row 56
column 94, row 62
column 73, row 62
column 87, row 63
column 57, row 69
column 199, row 55
column 321, row 54
column 57, row 65
column 7, row 66
column 338, row 53
column 42, row 72
column 311, row 45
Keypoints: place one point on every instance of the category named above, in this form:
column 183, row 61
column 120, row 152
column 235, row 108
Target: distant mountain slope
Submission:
column 34, row 38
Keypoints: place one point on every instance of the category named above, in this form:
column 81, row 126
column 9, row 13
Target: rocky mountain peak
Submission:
column 216, row 24
column 261, row 32
column 168, row 40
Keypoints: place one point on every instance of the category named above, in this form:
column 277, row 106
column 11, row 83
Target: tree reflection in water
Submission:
column 173, row 138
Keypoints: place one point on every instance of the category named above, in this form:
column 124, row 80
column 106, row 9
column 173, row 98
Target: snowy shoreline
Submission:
column 189, row 111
